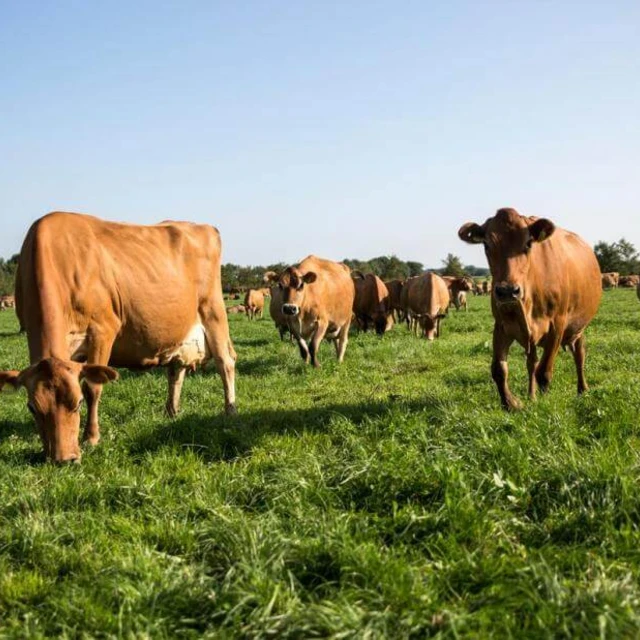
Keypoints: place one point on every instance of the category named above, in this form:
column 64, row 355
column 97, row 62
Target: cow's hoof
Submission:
column 513, row 404
column 171, row 411
column 91, row 440
column 231, row 410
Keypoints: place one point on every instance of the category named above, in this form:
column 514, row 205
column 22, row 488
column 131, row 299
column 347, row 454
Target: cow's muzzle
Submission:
column 507, row 292
column 290, row 309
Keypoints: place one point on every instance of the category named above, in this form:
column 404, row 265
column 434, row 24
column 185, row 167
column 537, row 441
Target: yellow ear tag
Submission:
column 542, row 236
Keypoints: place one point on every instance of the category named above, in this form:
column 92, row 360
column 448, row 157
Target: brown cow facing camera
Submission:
column 317, row 299
column 546, row 290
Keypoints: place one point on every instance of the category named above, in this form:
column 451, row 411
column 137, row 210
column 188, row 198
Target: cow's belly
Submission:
column 139, row 351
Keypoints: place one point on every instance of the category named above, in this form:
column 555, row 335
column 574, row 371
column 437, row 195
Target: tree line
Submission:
column 620, row 256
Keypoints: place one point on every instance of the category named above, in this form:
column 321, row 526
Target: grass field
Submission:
column 387, row 497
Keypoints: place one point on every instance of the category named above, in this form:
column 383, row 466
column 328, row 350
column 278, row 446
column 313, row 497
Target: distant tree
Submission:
column 452, row 266
column 618, row 256
column 415, row 268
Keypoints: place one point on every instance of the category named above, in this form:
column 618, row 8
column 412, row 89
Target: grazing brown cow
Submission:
column 394, row 287
column 317, row 298
column 427, row 302
column 254, row 303
column 458, row 288
column 629, row 282
column 610, row 280
column 371, row 304
column 486, row 287
column 104, row 293
column 546, row 291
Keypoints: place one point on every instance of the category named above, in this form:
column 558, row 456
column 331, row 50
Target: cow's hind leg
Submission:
column 500, row 369
column 214, row 319
column 175, row 373
column 579, row 355
column 341, row 341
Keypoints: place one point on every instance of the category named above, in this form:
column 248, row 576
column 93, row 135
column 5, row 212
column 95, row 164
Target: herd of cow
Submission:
column 92, row 295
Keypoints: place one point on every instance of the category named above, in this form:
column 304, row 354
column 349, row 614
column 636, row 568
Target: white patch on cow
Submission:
column 191, row 351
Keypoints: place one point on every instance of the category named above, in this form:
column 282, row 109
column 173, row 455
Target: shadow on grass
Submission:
column 220, row 437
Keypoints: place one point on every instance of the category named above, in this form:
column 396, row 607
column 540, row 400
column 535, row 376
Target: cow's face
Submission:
column 509, row 241
column 292, row 283
column 54, row 399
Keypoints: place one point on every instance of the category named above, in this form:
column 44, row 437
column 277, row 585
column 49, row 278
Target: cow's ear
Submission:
column 471, row 232
column 270, row 276
column 10, row 378
column 309, row 277
column 541, row 229
column 98, row 374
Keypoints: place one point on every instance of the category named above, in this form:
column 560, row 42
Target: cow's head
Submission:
column 292, row 282
column 509, row 242
column 55, row 398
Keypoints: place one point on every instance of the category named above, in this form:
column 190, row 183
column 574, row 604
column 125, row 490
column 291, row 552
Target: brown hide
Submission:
column 371, row 304
column 318, row 301
column 629, row 281
column 394, row 287
column 275, row 311
column 254, row 303
column 546, row 289
column 427, row 302
column 610, row 280
column 118, row 294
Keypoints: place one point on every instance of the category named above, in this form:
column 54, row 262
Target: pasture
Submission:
column 387, row 497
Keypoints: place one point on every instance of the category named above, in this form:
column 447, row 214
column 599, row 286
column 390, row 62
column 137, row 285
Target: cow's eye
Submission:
column 31, row 408
column 78, row 406
column 528, row 244
column 300, row 286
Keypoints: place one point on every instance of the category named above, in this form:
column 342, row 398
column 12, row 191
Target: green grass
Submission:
column 387, row 497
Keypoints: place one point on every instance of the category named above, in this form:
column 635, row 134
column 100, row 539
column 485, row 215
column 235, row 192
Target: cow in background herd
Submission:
column 610, row 280
column 254, row 303
column 629, row 281
column 372, row 304
column 317, row 300
column 426, row 301
column 547, row 288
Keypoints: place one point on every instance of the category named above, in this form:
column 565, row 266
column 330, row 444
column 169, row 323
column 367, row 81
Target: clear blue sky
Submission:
column 346, row 129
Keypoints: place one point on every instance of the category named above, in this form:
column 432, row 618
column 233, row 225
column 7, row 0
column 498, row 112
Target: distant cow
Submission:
column 610, row 280
column 254, row 303
column 371, row 304
column 629, row 281
column 427, row 302
column 547, row 288
column 458, row 288
column 7, row 302
column 238, row 308
column 317, row 298
column 92, row 293
column 486, row 287
column 275, row 311
column 394, row 287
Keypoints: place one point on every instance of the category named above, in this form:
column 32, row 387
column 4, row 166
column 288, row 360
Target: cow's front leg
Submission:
column 320, row 331
column 175, row 375
column 500, row 369
column 100, row 343
column 532, row 361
